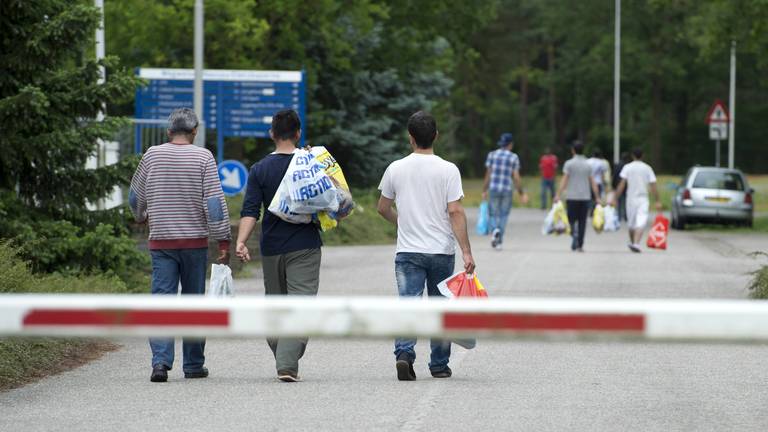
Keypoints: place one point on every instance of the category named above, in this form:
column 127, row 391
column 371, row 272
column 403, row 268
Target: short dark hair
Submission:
column 423, row 129
column 578, row 147
column 637, row 152
column 285, row 125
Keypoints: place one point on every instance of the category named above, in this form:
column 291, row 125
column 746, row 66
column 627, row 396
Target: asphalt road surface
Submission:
column 499, row 386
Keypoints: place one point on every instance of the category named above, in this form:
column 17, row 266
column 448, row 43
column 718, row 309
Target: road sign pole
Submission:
column 198, row 92
column 616, row 83
column 717, row 153
column 732, row 106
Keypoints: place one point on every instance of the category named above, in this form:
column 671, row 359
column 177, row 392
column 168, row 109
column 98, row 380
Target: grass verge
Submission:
column 23, row 360
column 758, row 285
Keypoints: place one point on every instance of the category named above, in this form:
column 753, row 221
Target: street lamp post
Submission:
column 616, row 83
column 198, row 95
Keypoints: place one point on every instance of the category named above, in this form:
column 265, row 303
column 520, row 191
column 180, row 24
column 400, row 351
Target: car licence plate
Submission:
column 718, row 199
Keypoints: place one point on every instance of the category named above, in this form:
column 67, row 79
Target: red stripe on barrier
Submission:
column 541, row 321
column 125, row 318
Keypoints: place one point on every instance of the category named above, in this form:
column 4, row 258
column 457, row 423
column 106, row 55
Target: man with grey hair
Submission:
column 176, row 189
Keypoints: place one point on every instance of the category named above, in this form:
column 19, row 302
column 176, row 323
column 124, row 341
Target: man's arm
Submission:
column 619, row 191
column 519, row 186
column 486, row 182
column 249, row 215
column 386, row 209
column 563, row 185
column 595, row 190
column 656, row 197
column 137, row 198
column 247, row 224
column 459, row 227
column 216, row 211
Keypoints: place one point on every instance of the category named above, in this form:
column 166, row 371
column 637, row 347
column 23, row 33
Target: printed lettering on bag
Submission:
column 312, row 190
column 303, row 160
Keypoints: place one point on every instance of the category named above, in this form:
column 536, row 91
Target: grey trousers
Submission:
column 293, row 273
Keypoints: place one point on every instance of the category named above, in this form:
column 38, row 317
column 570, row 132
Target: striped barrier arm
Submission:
column 377, row 317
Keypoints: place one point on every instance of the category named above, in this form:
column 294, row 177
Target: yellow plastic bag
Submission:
column 598, row 218
column 560, row 224
column 329, row 220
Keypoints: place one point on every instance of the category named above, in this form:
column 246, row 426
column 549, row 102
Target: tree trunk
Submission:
column 553, row 127
column 655, row 156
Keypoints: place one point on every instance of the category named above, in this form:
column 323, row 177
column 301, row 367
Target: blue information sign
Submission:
column 236, row 103
column 234, row 177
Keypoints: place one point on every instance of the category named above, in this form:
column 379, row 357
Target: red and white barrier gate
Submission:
column 144, row 315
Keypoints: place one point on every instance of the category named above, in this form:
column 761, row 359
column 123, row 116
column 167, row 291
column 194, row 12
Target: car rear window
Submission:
column 718, row 180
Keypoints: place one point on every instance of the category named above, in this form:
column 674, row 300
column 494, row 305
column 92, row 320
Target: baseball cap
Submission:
column 505, row 139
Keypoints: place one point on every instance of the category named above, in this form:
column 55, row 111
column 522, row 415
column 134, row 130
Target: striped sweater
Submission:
column 177, row 188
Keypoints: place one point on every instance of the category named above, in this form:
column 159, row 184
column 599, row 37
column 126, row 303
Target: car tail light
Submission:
column 686, row 194
column 748, row 198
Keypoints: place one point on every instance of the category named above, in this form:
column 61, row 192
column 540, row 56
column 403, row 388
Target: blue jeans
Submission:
column 413, row 271
column 169, row 267
column 547, row 185
column 499, row 204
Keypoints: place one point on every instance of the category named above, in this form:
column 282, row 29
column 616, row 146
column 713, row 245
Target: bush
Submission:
column 759, row 283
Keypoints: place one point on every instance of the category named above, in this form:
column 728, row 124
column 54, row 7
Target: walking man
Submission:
column 290, row 253
column 548, row 164
column 430, row 220
column 637, row 177
column 177, row 189
column 622, row 199
column 578, row 184
column 600, row 168
column 502, row 166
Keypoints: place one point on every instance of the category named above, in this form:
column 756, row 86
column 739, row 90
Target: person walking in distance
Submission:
column 579, row 185
column 600, row 168
column 290, row 253
column 548, row 164
column 430, row 219
column 502, row 172
column 637, row 177
column 622, row 199
column 176, row 188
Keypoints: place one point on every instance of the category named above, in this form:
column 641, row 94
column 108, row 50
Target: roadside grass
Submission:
column 758, row 285
column 23, row 360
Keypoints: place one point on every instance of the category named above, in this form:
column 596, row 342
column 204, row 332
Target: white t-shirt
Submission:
column 598, row 169
column 638, row 175
column 422, row 186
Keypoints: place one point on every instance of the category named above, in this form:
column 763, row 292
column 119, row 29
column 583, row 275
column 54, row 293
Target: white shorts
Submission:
column 637, row 213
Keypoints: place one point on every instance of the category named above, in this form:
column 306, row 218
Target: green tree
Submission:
column 50, row 97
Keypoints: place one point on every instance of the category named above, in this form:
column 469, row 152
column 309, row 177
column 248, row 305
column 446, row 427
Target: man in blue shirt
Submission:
column 501, row 167
column 290, row 252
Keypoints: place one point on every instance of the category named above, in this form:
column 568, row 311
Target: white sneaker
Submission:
column 496, row 238
column 634, row 247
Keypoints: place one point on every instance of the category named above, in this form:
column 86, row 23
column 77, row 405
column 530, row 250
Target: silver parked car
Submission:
column 708, row 194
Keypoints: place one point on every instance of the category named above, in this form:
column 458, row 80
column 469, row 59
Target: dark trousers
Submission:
column 577, row 216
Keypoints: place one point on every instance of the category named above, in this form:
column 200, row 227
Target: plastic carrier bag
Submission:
column 221, row 281
column 598, row 218
column 557, row 220
column 463, row 285
column 657, row 236
column 483, row 218
column 328, row 218
column 611, row 219
column 305, row 190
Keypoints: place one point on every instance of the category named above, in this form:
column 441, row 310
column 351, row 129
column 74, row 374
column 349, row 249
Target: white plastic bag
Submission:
column 612, row 222
column 221, row 281
column 549, row 221
column 305, row 190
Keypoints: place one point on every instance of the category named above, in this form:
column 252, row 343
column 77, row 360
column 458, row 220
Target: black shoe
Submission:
column 404, row 368
column 202, row 373
column 444, row 373
column 159, row 373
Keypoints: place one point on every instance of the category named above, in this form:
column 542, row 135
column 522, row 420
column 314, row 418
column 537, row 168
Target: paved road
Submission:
column 351, row 385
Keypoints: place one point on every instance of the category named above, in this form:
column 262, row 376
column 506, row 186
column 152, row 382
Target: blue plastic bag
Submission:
column 483, row 225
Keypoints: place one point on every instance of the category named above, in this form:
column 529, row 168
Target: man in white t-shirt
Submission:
column 430, row 220
column 637, row 177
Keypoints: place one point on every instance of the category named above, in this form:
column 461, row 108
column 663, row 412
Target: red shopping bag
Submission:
column 462, row 285
column 657, row 236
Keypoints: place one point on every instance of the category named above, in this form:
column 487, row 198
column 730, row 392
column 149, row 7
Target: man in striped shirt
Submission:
column 176, row 189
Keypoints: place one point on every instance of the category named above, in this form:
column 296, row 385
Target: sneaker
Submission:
column 288, row 376
column 495, row 237
column 404, row 368
column 159, row 373
column 445, row 373
column 202, row 373
column 634, row 247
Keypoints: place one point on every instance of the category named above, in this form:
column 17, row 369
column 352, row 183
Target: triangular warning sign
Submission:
column 718, row 113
